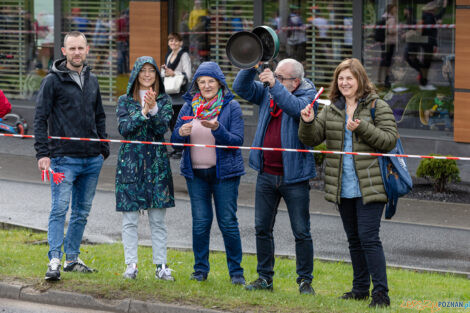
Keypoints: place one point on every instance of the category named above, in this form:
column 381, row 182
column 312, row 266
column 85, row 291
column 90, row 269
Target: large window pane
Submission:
column 206, row 27
column 317, row 33
column 26, row 46
column 409, row 53
column 106, row 26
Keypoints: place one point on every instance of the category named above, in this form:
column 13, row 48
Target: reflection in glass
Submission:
column 409, row 52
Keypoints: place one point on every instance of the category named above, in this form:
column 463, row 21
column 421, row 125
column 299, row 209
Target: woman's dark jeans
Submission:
column 202, row 188
column 362, row 224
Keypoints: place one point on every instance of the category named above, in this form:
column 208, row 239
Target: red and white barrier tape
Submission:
column 244, row 148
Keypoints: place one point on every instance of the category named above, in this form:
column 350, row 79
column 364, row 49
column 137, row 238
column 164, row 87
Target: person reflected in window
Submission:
column 429, row 16
column 389, row 45
column 177, row 62
column 296, row 35
column 122, row 42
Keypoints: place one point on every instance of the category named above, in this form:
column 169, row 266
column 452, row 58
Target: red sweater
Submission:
column 272, row 160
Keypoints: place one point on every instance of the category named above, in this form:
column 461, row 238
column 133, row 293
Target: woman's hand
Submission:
column 352, row 125
column 185, row 129
column 212, row 125
column 150, row 98
column 307, row 114
column 169, row 72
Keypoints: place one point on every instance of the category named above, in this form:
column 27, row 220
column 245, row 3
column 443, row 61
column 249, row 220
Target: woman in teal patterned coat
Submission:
column 143, row 173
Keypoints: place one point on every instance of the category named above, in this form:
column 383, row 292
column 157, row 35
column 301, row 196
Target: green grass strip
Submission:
column 23, row 259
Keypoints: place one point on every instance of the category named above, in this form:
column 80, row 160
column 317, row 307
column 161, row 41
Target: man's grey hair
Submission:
column 75, row 34
column 296, row 67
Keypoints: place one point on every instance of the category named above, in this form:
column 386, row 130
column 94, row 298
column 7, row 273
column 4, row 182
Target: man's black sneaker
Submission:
column 53, row 270
column 351, row 295
column 305, row 288
column 379, row 299
column 238, row 280
column 260, row 284
column 77, row 266
column 199, row 276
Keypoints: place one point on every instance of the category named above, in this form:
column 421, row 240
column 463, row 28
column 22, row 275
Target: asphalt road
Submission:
column 18, row 306
column 408, row 245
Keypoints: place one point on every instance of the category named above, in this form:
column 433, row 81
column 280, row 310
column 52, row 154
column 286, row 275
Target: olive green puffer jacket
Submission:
column 369, row 136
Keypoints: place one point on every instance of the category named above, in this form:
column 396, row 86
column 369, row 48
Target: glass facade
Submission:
column 106, row 26
column 206, row 27
column 27, row 43
column 409, row 53
column 407, row 47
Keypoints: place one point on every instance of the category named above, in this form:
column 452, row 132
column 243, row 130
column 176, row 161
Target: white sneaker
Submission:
column 131, row 271
column 164, row 273
column 53, row 270
column 427, row 87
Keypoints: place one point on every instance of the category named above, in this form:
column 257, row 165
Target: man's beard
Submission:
column 76, row 64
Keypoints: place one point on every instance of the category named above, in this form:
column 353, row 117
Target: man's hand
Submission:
column 212, row 125
column 267, row 76
column 185, row 129
column 307, row 114
column 44, row 163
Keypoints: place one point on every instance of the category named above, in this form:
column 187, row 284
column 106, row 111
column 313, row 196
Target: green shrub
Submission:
column 441, row 172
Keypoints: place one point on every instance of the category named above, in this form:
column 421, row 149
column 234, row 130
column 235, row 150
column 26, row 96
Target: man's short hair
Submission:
column 296, row 66
column 75, row 34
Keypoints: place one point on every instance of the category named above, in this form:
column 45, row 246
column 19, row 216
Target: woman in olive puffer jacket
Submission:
column 355, row 183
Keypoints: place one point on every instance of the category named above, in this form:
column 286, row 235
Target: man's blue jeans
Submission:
column 269, row 190
column 202, row 188
column 81, row 178
column 362, row 225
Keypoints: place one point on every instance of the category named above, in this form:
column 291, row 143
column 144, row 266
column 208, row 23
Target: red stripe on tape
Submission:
column 242, row 147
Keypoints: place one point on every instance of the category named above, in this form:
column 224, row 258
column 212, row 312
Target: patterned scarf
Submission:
column 207, row 110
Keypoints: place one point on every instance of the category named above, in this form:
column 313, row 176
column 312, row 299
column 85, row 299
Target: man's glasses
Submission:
column 282, row 79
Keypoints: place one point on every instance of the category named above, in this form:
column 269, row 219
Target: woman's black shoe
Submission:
column 379, row 299
column 354, row 296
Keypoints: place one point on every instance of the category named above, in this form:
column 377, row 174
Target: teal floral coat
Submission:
column 143, row 173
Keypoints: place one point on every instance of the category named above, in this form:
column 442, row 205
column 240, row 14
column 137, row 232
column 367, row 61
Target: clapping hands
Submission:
column 149, row 101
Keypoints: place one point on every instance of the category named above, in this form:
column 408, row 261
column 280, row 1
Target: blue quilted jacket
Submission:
column 230, row 131
column 297, row 166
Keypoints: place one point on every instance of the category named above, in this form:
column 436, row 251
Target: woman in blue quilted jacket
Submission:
column 210, row 116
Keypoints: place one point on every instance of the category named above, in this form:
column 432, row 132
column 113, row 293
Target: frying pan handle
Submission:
column 260, row 69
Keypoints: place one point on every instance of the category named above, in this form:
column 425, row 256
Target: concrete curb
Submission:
column 71, row 299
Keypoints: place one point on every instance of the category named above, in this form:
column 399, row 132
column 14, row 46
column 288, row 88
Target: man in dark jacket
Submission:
column 281, row 174
column 69, row 105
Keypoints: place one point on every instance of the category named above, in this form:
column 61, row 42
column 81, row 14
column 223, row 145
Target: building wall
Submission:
column 462, row 72
column 148, row 30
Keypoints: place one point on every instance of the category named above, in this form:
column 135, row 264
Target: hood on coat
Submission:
column 139, row 63
column 59, row 67
column 211, row 69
